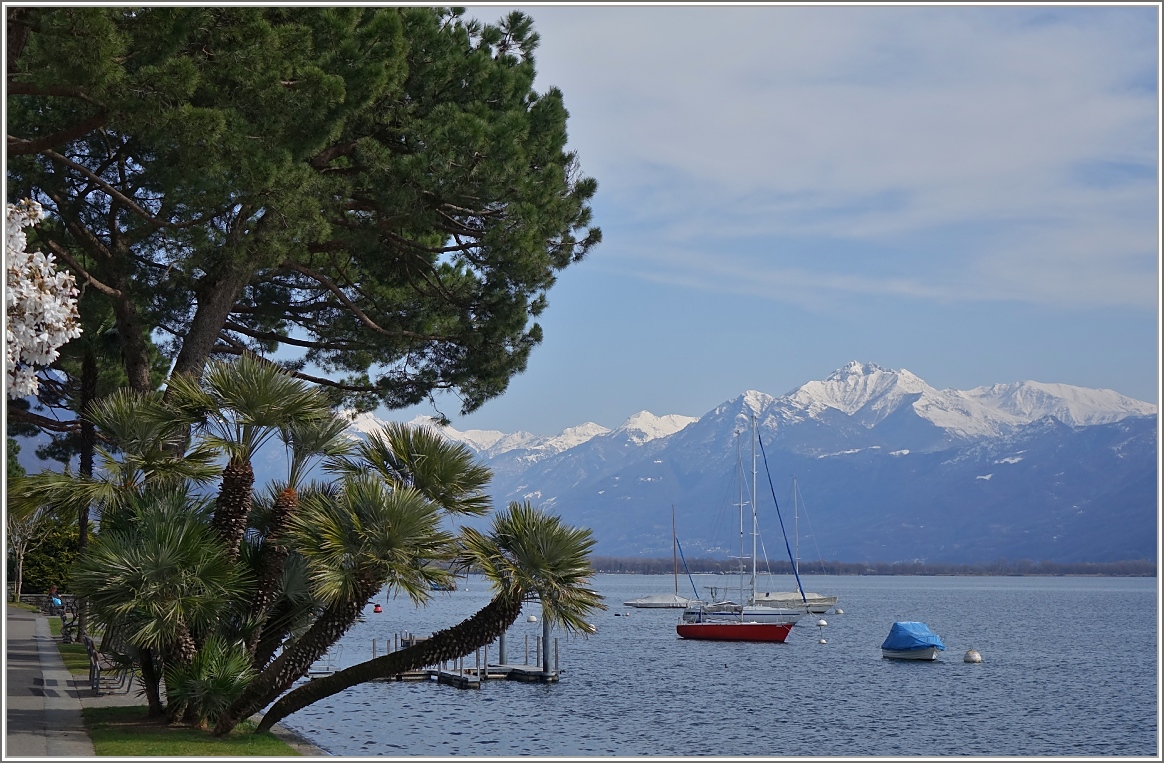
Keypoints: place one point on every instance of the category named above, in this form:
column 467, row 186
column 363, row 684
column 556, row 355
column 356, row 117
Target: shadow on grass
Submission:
column 127, row 732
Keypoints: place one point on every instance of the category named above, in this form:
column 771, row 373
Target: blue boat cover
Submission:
column 910, row 635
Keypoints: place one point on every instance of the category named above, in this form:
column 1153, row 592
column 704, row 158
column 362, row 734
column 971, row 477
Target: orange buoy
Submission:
column 377, row 608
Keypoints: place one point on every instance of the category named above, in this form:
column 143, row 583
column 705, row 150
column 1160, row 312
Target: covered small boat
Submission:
column 911, row 641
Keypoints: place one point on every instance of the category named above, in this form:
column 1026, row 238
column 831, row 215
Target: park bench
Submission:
column 67, row 611
column 109, row 667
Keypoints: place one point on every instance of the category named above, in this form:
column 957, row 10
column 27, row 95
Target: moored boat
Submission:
column 726, row 630
column 728, row 621
column 811, row 602
column 659, row 601
column 799, row 599
column 665, row 600
column 909, row 640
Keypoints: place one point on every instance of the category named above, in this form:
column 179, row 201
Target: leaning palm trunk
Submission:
column 270, row 567
column 270, row 638
column 293, row 663
column 449, row 644
column 234, row 504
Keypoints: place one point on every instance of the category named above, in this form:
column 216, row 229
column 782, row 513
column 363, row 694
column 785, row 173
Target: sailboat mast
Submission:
column 753, row 599
column 795, row 527
column 740, row 475
column 674, row 558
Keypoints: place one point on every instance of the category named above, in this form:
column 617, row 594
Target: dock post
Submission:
column 555, row 655
column 537, row 651
column 545, row 643
column 373, row 649
column 527, row 649
column 501, row 649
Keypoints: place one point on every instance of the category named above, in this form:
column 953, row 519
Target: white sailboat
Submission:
column 801, row 600
column 664, row 600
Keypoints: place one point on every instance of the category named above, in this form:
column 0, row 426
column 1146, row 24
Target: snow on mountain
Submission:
column 363, row 423
column 858, row 386
column 856, row 397
column 1078, row 406
column 492, row 443
column 869, row 394
column 645, row 426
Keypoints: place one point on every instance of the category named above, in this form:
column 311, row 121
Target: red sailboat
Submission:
column 729, row 621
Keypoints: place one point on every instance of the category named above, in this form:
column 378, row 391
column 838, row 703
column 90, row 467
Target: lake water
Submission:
column 1070, row 667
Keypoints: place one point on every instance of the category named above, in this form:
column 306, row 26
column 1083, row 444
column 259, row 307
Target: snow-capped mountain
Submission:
column 892, row 469
column 870, row 394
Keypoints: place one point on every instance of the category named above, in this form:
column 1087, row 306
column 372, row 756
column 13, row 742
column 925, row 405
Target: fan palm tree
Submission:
column 528, row 556
column 306, row 441
column 157, row 574
column 353, row 544
column 238, row 407
column 142, row 437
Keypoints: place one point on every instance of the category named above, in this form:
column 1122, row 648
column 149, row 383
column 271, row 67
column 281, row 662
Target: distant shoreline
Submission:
column 1137, row 568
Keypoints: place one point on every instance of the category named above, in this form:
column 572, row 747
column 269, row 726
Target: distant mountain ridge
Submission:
column 893, row 468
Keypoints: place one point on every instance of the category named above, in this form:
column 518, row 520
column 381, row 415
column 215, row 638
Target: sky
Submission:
column 969, row 193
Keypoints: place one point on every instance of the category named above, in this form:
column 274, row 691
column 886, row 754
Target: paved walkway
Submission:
column 43, row 702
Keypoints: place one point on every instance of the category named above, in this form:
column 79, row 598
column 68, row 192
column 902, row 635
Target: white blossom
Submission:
column 39, row 301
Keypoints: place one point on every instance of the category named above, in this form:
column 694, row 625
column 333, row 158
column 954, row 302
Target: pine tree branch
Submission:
column 75, row 266
column 61, row 91
column 331, row 286
column 43, row 422
column 22, row 147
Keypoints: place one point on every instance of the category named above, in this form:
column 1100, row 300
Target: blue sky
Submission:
column 970, row 193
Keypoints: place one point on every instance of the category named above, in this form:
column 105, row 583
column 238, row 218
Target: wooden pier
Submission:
column 456, row 673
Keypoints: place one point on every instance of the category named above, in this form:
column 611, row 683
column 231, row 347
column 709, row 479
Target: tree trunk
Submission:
column 151, row 681
column 216, row 297
column 19, row 581
column 294, row 662
column 234, row 504
column 270, row 641
column 270, row 566
column 135, row 352
column 18, row 31
column 449, row 644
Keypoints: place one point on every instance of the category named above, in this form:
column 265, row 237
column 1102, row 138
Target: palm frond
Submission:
column 532, row 553
column 418, row 457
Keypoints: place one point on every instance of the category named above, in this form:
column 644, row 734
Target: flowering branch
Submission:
column 40, row 303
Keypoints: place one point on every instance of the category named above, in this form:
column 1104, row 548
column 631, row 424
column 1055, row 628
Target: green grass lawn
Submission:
column 75, row 657
column 127, row 732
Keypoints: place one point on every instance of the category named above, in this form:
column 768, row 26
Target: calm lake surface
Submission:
column 1069, row 668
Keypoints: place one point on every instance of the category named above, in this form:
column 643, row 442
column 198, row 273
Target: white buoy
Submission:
column 838, row 611
column 823, row 641
column 972, row 655
column 531, row 619
column 821, row 623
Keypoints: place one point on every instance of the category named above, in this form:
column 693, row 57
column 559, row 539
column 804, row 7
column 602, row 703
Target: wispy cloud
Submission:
column 1030, row 134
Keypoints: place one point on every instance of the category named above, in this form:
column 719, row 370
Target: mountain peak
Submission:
column 855, row 386
column 645, row 426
